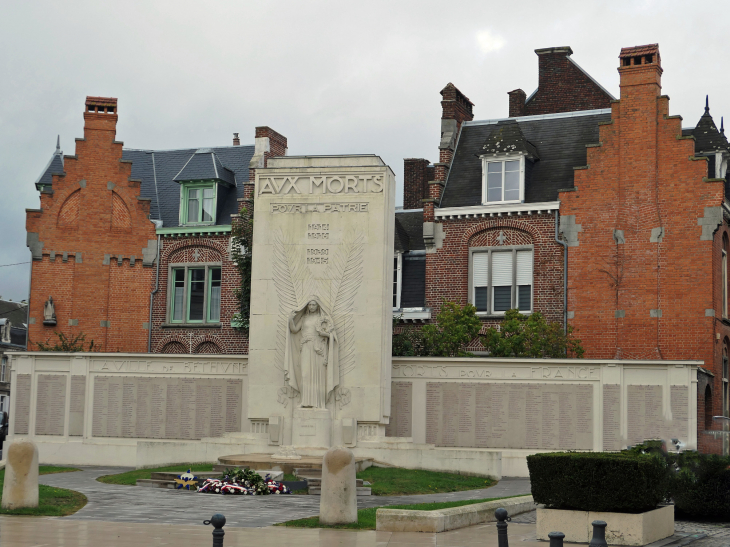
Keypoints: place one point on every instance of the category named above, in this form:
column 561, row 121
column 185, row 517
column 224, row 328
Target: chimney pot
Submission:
column 236, row 140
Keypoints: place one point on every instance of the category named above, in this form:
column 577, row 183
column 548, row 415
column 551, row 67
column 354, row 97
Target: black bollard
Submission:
column 218, row 521
column 502, row 518
column 599, row 534
column 556, row 539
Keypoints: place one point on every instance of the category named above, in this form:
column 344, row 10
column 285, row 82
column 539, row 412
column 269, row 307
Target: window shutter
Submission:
column 524, row 267
column 480, row 269
column 501, row 269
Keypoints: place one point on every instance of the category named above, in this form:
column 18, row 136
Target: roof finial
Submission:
column 707, row 104
column 722, row 125
column 58, row 143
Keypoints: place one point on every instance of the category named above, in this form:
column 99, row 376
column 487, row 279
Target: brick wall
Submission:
column 447, row 270
column 95, row 216
column 562, row 87
column 635, row 295
column 222, row 338
column 415, row 182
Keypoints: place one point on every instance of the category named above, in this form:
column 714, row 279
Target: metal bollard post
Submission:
column 218, row 521
column 599, row 534
column 502, row 518
column 556, row 539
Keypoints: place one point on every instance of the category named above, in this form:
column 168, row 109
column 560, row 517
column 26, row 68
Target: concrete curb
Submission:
column 441, row 520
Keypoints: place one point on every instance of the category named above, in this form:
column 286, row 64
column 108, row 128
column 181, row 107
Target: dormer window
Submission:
column 199, row 203
column 203, row 180
column 504, row 179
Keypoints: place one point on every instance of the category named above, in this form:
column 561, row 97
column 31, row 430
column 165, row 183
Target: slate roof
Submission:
column 54, row 166
column 205, row 165
column 158, row 170
column 507, row 138
column 16, row 312
column 707, row 137
column 559, row 141
column 409, row 231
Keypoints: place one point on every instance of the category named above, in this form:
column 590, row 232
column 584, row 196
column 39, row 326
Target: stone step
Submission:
column 361, row 491
column 318, row 481
column 221, row 468
column 308, row 471
column 156, row 483
column 172, row 475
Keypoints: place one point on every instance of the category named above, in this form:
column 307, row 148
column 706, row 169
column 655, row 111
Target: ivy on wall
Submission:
column 242, row 256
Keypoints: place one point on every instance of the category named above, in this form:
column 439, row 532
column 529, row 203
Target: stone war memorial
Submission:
column 319, row 372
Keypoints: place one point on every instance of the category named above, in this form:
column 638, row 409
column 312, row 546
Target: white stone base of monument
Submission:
column 20, row 488
column 311, row 427
column 286, row 453
column 622, row 529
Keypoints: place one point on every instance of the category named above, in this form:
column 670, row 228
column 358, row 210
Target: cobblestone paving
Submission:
column 718, row 535
column 118, row 503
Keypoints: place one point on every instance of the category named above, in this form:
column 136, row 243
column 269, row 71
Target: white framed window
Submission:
column 397, row 279
column 4, row 369
column 500, row 279
column 195, row 293
column 503, row 179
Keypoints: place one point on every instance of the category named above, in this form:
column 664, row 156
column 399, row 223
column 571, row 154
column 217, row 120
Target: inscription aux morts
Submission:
column 324, row 184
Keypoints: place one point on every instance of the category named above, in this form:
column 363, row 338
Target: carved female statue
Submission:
column 312, row 364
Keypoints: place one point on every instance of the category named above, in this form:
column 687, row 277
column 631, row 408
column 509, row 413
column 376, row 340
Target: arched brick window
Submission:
column 174, row 347
column 708, row 407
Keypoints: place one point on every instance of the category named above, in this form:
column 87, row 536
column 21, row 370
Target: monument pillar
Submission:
column 321, row 297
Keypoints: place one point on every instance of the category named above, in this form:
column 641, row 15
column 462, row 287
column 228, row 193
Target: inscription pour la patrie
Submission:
column 189, row 367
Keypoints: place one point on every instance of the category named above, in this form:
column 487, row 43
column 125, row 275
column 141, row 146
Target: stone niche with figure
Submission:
column 319, row 356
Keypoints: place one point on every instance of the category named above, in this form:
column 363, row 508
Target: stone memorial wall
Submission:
column 50, row 411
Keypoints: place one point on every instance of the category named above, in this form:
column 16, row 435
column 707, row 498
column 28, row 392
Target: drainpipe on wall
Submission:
column 565, row 274
column 158, row 224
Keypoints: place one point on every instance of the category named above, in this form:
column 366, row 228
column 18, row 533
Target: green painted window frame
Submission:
column 184, row 199
column 187, row 290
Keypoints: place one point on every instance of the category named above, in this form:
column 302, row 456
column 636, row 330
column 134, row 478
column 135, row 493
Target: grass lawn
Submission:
column 52, row 502
column 366, row 517
column 130, row 477
column 392, row 481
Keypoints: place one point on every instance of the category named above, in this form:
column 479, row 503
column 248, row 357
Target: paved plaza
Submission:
column 117, row 515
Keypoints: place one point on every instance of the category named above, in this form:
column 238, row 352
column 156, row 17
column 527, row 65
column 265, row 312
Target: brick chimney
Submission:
column 415, row 182
column 268, row 143
column 640, row 70
column 236, row 140
column 101, row 114
column 516, row 103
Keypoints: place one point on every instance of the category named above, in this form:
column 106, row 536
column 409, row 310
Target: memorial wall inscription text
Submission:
column 166, row 408
column 514, row 415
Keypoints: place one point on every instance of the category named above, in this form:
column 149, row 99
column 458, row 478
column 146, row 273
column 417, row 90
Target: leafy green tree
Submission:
column 67, row 344
column 455, row 327
column 531, row 335
column 241, row 245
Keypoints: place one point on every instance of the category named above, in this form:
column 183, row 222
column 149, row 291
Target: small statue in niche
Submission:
column 49, row 312
column 312, row 366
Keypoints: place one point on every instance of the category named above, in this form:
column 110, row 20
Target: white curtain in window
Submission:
column 215, row 303
column 502, row 269
column 480, row 268
column 524, row 267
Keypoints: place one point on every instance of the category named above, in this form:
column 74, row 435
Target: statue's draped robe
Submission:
column 312, row 363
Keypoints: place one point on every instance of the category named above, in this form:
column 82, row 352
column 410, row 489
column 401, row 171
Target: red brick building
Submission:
column 599, row 213
column 134, row 246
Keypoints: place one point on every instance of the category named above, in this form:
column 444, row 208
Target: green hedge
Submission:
column 598, row 481
column 701, row 486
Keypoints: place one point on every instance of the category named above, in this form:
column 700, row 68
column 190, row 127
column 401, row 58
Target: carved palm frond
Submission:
column 284, row 281
column 348, row 265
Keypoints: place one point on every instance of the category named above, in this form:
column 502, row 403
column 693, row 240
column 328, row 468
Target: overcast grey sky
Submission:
column 333, row 77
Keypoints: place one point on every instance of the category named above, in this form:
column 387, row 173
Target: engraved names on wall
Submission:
column 76, row 406
column 401, row 405
column 514, row 415
column 646, row 413
column 22, row 404
column 50, row 408
column 611, row 417
column 166, row 408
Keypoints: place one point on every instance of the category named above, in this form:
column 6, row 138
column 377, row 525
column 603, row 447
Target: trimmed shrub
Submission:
column 701, row 486
column 598, row 481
